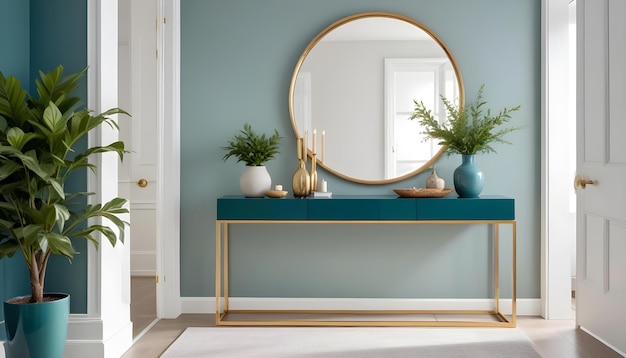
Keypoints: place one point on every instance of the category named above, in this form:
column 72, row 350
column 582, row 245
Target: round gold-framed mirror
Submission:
column 352, row 93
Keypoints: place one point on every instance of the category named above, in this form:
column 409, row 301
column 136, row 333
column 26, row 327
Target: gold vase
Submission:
column 301, row 182
column 313, row 172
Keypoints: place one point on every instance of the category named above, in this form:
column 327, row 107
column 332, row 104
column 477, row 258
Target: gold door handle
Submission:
column 142, row 183
column 580, row 182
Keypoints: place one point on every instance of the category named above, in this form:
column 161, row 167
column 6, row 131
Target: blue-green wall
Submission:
column 40, row 35
column 237, row 60
column 14, row 25
column 59, row 37
column 14, row 20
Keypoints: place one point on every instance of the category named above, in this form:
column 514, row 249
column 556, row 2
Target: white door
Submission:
column 138, row 95
column 601, row 158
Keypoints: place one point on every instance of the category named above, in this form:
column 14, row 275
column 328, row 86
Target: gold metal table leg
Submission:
column 514, row 274
column 218, row 271
column 222, row 285
column 496, row 264
column 225, row 268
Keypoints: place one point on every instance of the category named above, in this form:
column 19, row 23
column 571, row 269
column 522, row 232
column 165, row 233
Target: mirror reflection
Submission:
column 356, row 82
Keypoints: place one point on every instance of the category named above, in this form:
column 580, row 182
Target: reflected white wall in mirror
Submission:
column 343, row 86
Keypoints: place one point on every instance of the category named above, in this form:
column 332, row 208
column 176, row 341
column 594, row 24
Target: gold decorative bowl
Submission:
column 276, row 193
column 422, row 192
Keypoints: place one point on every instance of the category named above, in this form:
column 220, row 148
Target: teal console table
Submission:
column 361, row 210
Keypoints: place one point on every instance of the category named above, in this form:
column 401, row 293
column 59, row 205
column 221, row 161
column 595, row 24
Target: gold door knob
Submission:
column 142, row 183
column 580, row 182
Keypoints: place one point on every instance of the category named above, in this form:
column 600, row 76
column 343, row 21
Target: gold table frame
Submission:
column 222, row 309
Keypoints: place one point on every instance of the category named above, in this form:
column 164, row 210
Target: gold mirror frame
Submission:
column 346, row 20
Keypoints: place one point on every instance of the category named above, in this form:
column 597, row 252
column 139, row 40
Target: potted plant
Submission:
column 40, row 216
column 467, row 131
column 255, row 150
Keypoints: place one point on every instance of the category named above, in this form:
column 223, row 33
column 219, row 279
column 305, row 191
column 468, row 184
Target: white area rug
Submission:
column 361, row 342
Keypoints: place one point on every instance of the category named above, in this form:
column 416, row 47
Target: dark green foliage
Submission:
column 251, row 148
column 468, row 130
column 38, row 153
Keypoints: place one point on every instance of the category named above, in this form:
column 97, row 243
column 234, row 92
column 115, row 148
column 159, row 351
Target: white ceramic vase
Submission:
column 435, row 182
column 255, row 181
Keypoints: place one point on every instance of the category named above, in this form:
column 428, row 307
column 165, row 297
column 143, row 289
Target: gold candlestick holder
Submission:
column 313, row 172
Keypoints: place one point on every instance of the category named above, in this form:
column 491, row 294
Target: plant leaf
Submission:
column 468, row 130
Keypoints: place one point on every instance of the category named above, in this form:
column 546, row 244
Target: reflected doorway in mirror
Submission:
column 406, row 80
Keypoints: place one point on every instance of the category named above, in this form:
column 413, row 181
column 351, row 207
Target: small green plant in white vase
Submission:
column 255, row 150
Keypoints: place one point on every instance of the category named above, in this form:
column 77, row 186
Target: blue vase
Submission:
column 37, row 330
column 468, row 179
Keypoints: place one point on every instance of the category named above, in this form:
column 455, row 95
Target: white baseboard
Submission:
column 84, row 339
column 143, row 273
column 143, row 263
column 525, row 307
column 106, row 337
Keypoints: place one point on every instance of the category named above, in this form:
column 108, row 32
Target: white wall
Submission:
column 337, row 68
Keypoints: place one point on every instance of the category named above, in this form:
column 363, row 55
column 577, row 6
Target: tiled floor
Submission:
column 553, row 338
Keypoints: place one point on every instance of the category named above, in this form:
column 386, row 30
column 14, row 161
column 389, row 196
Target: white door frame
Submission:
column 555, row 265
column 105, row 330
column 168, row 173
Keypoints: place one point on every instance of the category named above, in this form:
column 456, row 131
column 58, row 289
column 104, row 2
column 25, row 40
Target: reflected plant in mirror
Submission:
column 467, row 131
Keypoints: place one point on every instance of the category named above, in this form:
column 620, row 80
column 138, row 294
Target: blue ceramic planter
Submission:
column 468, row 179
column 37, row 330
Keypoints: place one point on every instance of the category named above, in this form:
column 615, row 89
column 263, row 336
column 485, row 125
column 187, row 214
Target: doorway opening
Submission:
column 139, row 95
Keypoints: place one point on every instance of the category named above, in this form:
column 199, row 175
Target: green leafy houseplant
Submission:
column 468, row 130
column 39, row 151
column 252, row 148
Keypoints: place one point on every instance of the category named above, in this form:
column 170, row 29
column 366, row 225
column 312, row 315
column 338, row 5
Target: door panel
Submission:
column 617, row 78
column 601, row 241
column 594, row 63
column 617, row 264
column 593, row 253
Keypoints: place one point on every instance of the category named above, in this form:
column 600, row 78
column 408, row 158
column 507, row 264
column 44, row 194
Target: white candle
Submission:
column 313, row 139
column 323, row 145
column 323, row 186
column 304, row 145
column 278, row 187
